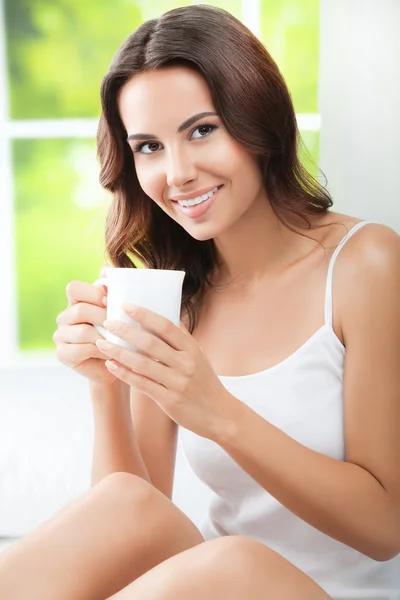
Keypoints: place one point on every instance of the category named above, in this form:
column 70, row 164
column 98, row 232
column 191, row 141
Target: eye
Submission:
column 203, row 130
column 146, row 147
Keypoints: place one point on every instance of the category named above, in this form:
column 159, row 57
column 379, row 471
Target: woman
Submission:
column 283, row 375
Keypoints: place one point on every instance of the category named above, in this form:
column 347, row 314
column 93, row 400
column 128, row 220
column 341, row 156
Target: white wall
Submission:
column 359, row 101
column 46, row 443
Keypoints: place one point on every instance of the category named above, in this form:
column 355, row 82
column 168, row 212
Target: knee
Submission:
column 249, row 559
column 240, row 550
column 124, row 488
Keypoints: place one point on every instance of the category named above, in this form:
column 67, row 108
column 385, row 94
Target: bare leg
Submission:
column 114, row 533
column 228, row 568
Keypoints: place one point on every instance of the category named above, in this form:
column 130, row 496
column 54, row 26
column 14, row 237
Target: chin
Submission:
column 202, row 238
column 198, row 233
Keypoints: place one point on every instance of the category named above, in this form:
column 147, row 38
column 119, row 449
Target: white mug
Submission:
column 156, row 289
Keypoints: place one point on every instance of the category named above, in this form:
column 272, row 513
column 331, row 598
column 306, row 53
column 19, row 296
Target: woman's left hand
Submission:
column 174, row 371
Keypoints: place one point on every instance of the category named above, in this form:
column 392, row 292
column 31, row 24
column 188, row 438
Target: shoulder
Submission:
column 372, row 246
column 370, row 255
column 367, row 277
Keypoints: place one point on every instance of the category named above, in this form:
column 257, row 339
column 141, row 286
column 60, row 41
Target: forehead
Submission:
column 164, row 97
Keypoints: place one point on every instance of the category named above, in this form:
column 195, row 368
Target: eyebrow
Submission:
column 185, row 125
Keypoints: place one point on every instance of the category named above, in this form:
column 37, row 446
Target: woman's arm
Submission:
column 357, row 501
column 115, row 446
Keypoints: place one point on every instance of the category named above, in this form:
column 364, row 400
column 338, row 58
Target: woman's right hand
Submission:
column 76, row 337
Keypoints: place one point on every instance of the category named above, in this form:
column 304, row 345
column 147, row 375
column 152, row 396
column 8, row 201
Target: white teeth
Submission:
column 199, row 199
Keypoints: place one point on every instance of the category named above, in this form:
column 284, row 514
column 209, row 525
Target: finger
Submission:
column 145, row 341
column 76, row 334
column 145, row 365
column 161, row 326
column 73, row 355
column 153, row 389
column 81, row 291
column 82, row 313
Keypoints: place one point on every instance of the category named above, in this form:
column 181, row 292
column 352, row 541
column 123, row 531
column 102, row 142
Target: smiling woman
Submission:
column 247, row 239
column 256, row 139
column 287, row 403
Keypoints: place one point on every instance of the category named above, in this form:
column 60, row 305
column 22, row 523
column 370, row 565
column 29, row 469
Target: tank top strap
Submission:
column 328, row 293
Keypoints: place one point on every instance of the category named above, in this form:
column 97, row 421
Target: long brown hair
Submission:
column 251, row 97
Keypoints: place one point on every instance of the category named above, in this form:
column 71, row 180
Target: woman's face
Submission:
column 182, row 151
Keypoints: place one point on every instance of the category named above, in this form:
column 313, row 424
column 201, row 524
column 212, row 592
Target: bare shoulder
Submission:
column 372, row 252
column 367, row 279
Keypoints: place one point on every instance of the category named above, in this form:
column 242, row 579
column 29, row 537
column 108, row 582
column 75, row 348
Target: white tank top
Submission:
column 303, row 396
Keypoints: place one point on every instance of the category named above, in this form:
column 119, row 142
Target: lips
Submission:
column 193, row 195
column 194, row 212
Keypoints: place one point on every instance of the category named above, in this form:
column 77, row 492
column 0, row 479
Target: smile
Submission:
column 196, row 207
column 198, row 199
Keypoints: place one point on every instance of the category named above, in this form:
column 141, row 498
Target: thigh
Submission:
column 226, row 568
column 154, row 527
column 165, row 522
column 104, row 540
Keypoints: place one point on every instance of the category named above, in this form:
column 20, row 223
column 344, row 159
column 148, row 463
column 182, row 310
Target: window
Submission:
column 52, row 208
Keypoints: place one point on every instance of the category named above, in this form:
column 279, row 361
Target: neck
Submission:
column 258, row 246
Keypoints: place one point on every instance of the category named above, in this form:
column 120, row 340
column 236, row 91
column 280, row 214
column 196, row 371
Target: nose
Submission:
column 180, row 169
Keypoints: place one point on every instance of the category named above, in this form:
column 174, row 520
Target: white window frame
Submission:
column 53, row 128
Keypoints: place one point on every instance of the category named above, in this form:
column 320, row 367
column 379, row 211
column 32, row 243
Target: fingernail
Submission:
column 110, row 325
column 103, row 345
column 127, row 307
column 104, row 300
column 110, row 365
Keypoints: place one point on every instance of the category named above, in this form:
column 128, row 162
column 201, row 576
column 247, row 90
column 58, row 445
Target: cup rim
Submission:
column 119, row 269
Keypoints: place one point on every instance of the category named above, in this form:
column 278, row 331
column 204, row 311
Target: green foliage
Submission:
column 58, row 52
column 290, row 31
column 60, row 215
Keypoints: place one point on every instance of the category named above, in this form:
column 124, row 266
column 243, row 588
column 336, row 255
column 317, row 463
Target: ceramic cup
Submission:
column 156, row 289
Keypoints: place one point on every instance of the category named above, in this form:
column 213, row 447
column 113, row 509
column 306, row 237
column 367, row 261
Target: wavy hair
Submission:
column 254, row 104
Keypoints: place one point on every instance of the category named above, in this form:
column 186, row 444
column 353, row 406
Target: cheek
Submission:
column 247, row 170
column 237, row 163
column 149, row 179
